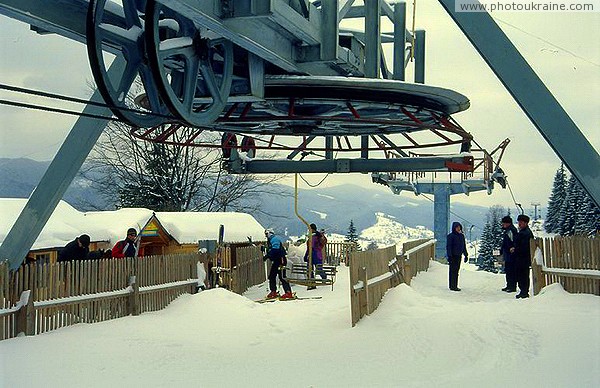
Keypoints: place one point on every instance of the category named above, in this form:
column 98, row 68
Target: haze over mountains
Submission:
column 330, row 208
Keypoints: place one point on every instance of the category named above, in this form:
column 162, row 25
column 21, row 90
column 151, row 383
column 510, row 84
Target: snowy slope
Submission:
column 420, row 336
column 388, row 231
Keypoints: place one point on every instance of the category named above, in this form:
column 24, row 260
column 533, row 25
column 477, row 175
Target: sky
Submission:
column 562, row 48
column 419, row 336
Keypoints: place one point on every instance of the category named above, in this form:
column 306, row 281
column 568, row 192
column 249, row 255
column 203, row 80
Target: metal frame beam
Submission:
column 534, row 98
column 426, row 164
column 57, row 178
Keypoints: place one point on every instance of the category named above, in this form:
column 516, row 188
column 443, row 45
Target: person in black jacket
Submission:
column 77, row 249
column 456, row 246
column 522, row 255
column 508, row 242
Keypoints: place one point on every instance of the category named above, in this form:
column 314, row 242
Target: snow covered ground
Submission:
column 420, row 336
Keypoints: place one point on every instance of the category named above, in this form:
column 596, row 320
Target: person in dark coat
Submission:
column 276, row 253
column 317, row 241
column 77, row 249
column 508, row 241
column 128, row 247
column 456, row 246
column 522, row 255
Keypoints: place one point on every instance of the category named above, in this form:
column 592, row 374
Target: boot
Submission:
column 273, row 295
column 287, row 295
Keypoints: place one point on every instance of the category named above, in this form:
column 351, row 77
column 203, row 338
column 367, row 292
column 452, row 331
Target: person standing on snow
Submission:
column 508, row 242
column 276, row 253
column 455, row 247
column 128, row 247
column 522, row 255
column 318, row 241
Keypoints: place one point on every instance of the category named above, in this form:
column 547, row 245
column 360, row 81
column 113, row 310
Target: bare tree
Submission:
column 162, row 177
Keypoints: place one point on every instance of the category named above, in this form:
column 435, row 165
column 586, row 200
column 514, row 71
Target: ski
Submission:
column 265, row 300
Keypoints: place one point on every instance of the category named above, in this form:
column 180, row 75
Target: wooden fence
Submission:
column 249, row 269
column 372, row 273
column 338, row 252
column 574, row 262
column 43, row 297
column 416, row 256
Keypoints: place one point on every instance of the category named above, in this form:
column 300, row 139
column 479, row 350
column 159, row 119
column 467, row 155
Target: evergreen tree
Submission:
column 491, row 238
column 372, row 246
column 589, row 218
column 351, row 236
column 555, row 202
column 568, row 211
column 486, row 250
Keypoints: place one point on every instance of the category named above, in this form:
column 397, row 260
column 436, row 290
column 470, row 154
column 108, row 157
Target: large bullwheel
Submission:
column 193, row 73
column 116, row 29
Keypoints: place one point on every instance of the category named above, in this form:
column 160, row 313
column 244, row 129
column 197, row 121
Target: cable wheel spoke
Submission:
column 210, row 80
column 190, row 84
column 131, row 13
column 152, row 94
column 127, row 79
column 120, row 30
column 178, row 56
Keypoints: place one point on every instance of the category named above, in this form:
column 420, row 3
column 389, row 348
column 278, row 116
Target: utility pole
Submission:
column 535, row 211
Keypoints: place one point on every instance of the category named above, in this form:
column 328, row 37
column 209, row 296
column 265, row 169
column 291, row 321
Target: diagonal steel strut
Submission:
column 534, row 98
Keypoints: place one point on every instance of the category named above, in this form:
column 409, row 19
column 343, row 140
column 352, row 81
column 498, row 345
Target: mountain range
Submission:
column 331, row 208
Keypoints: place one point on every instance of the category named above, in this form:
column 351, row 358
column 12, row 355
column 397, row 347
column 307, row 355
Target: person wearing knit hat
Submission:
column 128, row 247
column 77, row 249
column 508, row 241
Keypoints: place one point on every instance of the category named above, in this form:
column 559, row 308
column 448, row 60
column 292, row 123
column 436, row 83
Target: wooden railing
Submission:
column 416, row 257
column 372, row 273
column 338, row 252
column 40, row 298
column 574, row 262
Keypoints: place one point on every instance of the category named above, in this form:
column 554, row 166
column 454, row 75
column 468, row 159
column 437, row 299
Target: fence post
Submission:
column 539, row 279
column 134, row 298
column 26, row 316
column 407, row 270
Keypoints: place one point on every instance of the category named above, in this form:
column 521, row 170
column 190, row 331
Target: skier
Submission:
column 455, row 247
column 128, row 247
column 276, row 253
column 508, row 242
column 522, row 256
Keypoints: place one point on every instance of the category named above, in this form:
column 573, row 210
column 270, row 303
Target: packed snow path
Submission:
column 421, row 336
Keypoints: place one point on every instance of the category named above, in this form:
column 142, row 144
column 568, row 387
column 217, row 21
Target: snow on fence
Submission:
column 573, row 261
column 43, row 297
column 372, row 273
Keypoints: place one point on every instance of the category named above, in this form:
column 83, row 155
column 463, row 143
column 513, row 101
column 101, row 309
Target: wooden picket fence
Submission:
column 416, row 256
column 372, row 273
column 42, row 297
column 573, row 261
column 249, row 269
column 337, row 252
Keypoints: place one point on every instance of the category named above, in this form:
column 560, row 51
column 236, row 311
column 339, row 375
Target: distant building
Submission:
column 161, row 232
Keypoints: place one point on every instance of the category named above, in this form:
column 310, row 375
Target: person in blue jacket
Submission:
column 276, row 253
column 455, row 247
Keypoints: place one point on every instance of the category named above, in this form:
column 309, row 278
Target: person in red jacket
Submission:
column 128, row 247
